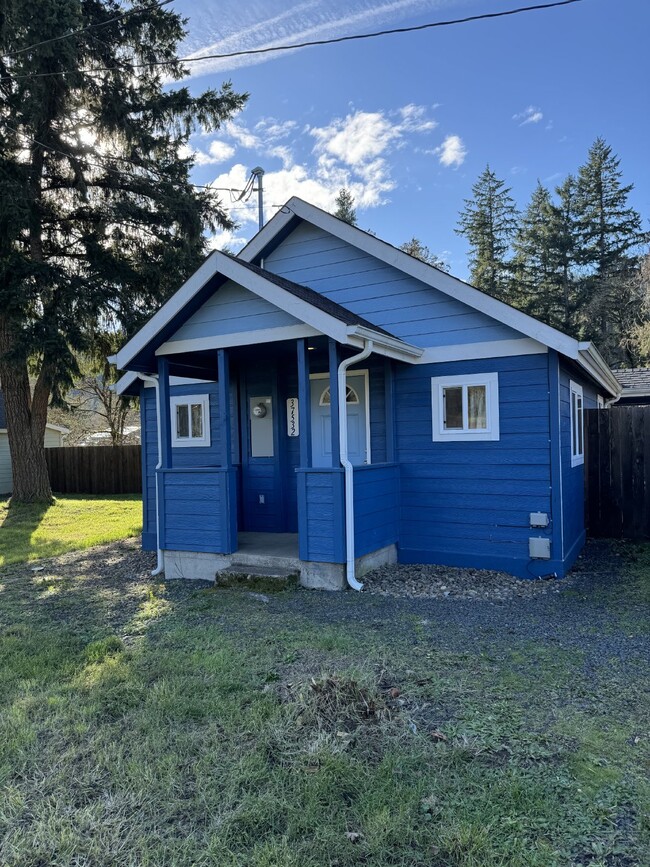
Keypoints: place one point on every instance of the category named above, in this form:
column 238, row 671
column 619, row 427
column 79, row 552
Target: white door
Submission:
column 358, row 420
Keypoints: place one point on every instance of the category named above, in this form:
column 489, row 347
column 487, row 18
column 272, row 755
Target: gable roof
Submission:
column 310, row 307
column 297, row 210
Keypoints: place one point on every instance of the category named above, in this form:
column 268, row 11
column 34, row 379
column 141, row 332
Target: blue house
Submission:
column 329, row 400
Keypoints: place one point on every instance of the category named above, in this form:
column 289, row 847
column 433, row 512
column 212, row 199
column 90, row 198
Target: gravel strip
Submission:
column 442, row 582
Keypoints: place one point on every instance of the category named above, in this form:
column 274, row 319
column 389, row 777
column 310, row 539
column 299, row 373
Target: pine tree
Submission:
column 489, row 221
column 608, row 231
column 345, row 209
column 566, row 251
column 418, row 250
column 99, row 220
column 537, row 264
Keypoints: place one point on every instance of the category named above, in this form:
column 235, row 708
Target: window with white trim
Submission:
column 190, row 417
column 577, row 424
column 465, row 407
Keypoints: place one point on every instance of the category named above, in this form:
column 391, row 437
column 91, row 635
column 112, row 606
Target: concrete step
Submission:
column 258, row 571
column 247, row 560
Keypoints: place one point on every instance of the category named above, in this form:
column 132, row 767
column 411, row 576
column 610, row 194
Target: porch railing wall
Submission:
column 321, row 518
column 199, row 510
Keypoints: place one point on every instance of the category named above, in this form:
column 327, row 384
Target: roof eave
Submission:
column 590, row 359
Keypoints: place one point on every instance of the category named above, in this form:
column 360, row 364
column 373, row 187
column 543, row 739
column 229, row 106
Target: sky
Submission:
column 408, row 122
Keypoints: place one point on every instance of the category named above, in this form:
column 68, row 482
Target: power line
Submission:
column 88, row 28
column 336, row 39
column 105, row 168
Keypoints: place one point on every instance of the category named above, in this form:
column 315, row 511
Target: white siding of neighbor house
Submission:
column 5, row 465
column 53, row 438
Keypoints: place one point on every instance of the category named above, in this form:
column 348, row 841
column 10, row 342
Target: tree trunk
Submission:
column 26, row 419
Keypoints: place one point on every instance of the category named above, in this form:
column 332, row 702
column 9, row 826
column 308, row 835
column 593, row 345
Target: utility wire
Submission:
column 88, row 28
column 336, row 39
column 81, row 158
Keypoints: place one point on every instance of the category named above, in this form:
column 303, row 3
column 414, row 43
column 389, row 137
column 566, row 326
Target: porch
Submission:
column 266, row 486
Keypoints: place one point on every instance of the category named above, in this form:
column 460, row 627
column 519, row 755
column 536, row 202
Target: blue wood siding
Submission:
column 386, row 296
column 376, row 507
column 197, row 512
column 149, row 439
column 230, row 310
column 321, row 515
column 468, row 503
column 573, row 478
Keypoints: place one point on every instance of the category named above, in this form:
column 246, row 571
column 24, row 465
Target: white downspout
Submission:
column 160, row 563
column 347, row 466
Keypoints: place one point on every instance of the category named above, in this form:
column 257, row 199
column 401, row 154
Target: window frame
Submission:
column 188, row 400
column 577, row 455
column 490, row 433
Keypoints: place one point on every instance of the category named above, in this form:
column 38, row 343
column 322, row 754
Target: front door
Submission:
column 358, row 420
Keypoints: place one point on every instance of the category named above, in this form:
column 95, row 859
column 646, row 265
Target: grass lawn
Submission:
column 71, row 523
column 144, row 723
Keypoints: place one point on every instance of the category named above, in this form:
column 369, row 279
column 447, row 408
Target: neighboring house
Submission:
column 53, row 437
column 131, row 436
column 635, row 386
column 462, row 417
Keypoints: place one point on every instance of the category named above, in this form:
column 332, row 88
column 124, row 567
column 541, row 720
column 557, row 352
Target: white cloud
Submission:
column 357, row 138
column 532, row 114
column 452, row 151
column 218, row 152
column 414, row 118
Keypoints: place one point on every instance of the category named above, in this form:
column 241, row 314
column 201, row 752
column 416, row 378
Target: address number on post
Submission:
column 293, row 424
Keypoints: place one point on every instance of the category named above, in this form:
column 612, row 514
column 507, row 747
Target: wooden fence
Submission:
column 617, row 472
column 95, row 469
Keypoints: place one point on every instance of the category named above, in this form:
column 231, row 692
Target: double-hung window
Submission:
column 577, row 424
column 190, row 420
column 465, row 407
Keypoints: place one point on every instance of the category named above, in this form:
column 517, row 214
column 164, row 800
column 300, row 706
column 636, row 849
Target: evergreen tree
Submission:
column 607, row 227
column 99, row 220
column 345, row 209
column 537, row 266
column 489, row 221
column 418, row 250
column 566, row 251
column 607, row 232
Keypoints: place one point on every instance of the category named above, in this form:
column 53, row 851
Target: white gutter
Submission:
column 160, row 563
column 347, row 466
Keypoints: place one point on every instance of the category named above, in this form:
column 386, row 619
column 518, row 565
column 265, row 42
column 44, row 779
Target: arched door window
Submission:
column 350, row 396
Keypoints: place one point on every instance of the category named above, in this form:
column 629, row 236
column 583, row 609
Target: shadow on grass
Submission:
column 18, row 523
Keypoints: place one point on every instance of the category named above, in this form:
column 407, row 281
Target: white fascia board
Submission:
column 239, row 338
column 58, row 427
column 124, row 382
column 592, row 361
column 635, row 392
column 427, row 274
column 383, row 344
column 486, row 349
column 167, row 312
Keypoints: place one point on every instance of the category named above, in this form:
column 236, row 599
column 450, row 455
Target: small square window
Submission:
column 577, row 424
column 465, row 407
column 190, row 420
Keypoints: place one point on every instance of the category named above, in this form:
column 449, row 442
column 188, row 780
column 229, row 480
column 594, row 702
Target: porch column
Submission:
column 389, row 403
column 334, row 359
column 304, row 403
column 228, row 485
column 165, row 413
column 223, row 373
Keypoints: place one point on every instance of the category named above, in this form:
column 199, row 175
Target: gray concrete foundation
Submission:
column 194, row 565
column 331, row 576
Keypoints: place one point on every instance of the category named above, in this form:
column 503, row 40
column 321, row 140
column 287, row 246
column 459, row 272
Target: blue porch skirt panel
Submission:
column 321, row 514
column 199, row 509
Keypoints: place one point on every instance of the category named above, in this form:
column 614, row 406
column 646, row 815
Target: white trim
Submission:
column 366, row 375
column 577, row 457
column 487, row 349
column 584, row 353
column 58, row 427
column 129, row 378
column 560, row 468
column 203, row 400
column 239, row 338
column 490, row 433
